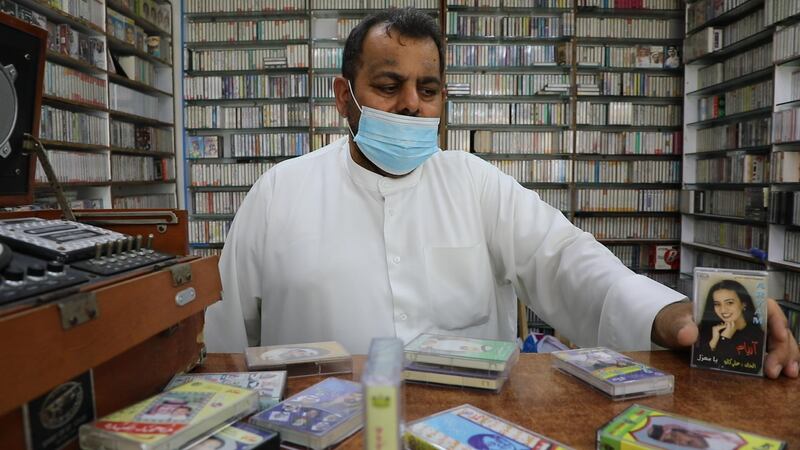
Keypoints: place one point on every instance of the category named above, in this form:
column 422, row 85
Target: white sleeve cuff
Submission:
column 629, row 309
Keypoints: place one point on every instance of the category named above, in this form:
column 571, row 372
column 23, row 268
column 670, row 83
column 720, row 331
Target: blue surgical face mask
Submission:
column 396, row 144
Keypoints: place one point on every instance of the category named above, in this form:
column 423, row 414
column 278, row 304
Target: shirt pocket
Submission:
column 460, row 286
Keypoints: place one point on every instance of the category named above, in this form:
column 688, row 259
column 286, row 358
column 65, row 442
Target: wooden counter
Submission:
column 556, row 405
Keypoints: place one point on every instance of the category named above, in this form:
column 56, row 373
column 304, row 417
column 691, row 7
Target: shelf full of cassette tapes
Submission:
column 741, row 161
column 107, row 114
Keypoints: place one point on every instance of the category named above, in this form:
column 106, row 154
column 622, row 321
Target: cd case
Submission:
column 455, row 376
column 617, row 375
column 239, row 436
column 318, row 417
column 170, row 419
column 268, row 385
column 730, row 308
column 314, row 358
column 469, row 353
column 467, row 427
column 641, row 427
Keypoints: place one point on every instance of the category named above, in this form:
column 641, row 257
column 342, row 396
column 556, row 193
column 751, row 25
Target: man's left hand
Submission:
column 675, row 328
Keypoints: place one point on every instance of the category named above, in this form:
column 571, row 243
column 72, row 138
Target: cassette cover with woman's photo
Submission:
column 642, row 427
column 730, row 309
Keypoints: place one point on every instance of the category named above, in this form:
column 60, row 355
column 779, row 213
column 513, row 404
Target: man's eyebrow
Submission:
column 430, row 80
column 389, row 74
column 397, row 77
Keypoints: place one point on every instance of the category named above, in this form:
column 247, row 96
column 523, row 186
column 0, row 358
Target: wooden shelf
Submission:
column 638, row 241
column 245, row 44
column 73, row 146
column 653, row 70
column 73, row 63
column 596, row 11
column 742, row 80
column 136, row 151
column 452, row 39
column 72, row 184
column 723, row 152
column 219, row 188
column 72, row 104
column 225, row 15
column 543, row 68
column 140, row 183
column 730, row 50
column 522, row 156
column 626, row 157
column 738, row 117
column 266, row 70
column 138, row 119
column 125, row 48
column 60, row 17
column 729, row 16
column 138, row 85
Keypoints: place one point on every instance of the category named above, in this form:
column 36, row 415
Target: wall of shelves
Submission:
column 740, row 179
column 107, row 114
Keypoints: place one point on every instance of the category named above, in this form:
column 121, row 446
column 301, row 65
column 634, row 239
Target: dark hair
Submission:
column 476, row 441
column 409, row 22
column 655, row 432
column 741, row 292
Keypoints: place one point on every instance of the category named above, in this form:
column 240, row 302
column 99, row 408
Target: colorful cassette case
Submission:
column 641, row 427
column 170, row 419
column 730, row 308
column 317, row 417
column 240, row 436
column 315, row 358
column 615, row 374
column 268, row 385
column 455, row 376
column 467, row 427
column 463, row 352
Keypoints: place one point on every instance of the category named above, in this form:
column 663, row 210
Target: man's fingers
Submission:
column 783, row 354
column 687, row 334
column 776, row 322
column 673, row 326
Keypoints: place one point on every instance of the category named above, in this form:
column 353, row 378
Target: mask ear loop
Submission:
column 352, row 94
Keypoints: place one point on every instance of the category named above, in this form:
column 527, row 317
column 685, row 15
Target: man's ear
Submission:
column 341, row 91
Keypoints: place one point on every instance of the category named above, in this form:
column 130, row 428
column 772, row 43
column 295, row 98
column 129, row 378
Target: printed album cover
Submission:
column 301, row 359
column 268, row 385
column 196, row 147
column 730, row 308
column 467, row 427
column 170, row 419
column 462, row 352
column 317, row 417
column 640, row 427
column 239, row 436
column 613, row 373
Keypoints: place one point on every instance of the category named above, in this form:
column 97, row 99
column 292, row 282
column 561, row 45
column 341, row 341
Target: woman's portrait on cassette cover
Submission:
column 730, row 310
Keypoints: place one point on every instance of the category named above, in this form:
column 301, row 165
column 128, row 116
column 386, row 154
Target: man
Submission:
column 382, row 234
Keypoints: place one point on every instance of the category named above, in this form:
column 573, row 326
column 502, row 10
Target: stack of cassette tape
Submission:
column 460, row 361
